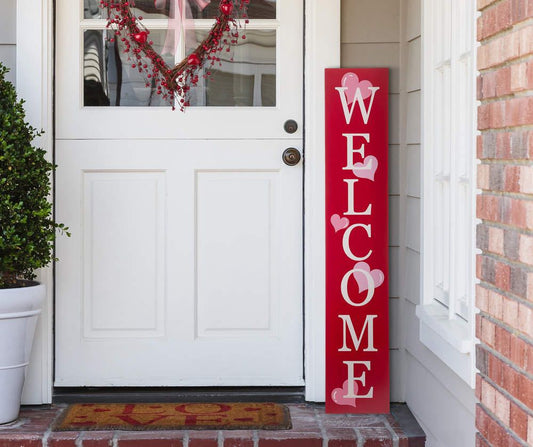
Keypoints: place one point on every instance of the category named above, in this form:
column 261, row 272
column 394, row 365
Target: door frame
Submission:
column 34, row 81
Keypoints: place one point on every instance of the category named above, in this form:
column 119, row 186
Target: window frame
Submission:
column 449, row 336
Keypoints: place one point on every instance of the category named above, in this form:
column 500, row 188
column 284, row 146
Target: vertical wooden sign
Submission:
column 357, row 292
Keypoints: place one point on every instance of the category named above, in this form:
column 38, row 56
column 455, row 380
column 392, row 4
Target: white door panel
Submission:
column 181, row 270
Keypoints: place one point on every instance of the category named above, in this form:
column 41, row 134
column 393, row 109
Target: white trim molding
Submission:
column 34, row 46
column 322, row 50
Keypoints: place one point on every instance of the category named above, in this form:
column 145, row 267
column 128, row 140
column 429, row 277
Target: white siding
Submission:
column 370, row 37
column 387, row 33
column 442, row 402
column 8, row 36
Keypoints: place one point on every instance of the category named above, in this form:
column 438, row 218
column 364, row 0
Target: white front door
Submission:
column 185, row 263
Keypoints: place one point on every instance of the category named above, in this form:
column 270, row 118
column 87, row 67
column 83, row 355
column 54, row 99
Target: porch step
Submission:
column 311, row 428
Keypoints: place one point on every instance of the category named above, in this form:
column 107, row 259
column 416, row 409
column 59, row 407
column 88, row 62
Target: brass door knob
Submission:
column 291, row 156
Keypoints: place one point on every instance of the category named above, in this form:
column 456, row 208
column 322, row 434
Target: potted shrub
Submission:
column 27, row 233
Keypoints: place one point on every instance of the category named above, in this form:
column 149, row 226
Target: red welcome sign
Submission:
column 357, row 292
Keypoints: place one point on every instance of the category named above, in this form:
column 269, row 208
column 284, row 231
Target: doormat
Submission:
column 175, row 416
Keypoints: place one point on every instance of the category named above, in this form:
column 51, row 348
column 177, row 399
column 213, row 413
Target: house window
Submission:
column 449, row 131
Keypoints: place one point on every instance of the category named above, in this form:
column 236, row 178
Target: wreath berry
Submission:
column 174, row 83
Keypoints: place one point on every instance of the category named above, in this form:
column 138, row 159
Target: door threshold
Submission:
column 178, row 394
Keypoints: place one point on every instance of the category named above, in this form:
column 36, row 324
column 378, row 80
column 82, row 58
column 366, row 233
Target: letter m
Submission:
column 347, row 326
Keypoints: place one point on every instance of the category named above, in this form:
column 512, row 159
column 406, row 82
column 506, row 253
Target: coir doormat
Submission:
column 175, row 416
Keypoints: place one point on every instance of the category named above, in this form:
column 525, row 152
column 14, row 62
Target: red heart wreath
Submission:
column 173, row 82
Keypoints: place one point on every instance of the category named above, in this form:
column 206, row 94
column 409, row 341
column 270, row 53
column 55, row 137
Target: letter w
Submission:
column 358, row 98
column 347, row 323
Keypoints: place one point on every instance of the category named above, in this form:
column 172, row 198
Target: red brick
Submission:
column 525, row 251
column 375, row 437
column 529, row 358
column 510, row 380
column 496, row 305
column 488, row 332
column 522, row 9
column 526, row 179
column 512, row 179
column 345, row 443
column 62, row 439
column 483, row 172
column 517, row 212
column 502, row 275
column 525, row 390
column 207, row 438
column 482, row 298
column 497, row 434
column 342, row 437
column 290, row 442
column 496, row 240
column 518, row 111
column 484, row 3
column 525, row 319
column 20, row 441
column 97, row 439
column 481, row 419
column 518, row 352
column 146, row 438
column 478, row 386
column 494, row 20
column 505, row 47
column 503, row 341
column 529, row 294
column 238, row 442
column 510, row 312
column 489, row 207
column 519, row 421
column 488, row 396
column 512, row 442
column 495, row 369
column 483, row 117
column 479, row 269
column 480, row 441
column 520, row 77
column 530, row 429
column 503, row 408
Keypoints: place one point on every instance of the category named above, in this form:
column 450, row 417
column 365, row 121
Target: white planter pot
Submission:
column 19, row 311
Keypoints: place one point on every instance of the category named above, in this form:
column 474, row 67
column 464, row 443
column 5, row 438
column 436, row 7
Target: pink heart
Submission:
column 351, row 82
column 338, row 395
column 338, row 222
column 361, row 278
column 367, row 169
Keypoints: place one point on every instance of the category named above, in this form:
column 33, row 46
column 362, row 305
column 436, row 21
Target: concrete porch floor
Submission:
column 311, row 428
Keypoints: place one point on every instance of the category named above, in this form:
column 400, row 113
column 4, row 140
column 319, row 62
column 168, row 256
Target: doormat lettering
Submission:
column 175, row 416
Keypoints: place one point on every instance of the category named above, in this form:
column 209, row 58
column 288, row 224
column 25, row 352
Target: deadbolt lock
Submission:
column 290, row 126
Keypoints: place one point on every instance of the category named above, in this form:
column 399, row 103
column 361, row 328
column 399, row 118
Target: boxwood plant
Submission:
column 27, row 228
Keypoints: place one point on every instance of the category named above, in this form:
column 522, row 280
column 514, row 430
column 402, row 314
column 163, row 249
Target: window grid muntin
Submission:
column 451, row 192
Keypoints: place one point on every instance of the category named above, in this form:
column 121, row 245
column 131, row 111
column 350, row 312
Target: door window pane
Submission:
column 197, row 9
column 148, row 9
column 108, row 76
column 246, row 75
column 257, row 9
column 92, row 10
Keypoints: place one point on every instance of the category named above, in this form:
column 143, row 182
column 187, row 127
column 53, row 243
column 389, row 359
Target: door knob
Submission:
column 290, row 126
column 291, row 156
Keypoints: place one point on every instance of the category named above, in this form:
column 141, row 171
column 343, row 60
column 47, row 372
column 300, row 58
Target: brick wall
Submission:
column 505, row 237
